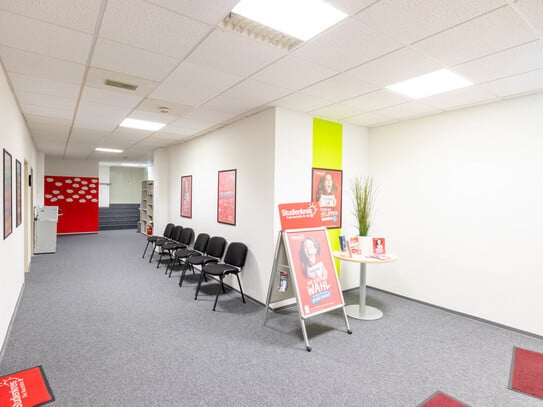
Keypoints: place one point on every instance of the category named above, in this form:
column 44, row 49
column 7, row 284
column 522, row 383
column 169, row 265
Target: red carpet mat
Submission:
column 27, row 388
column 440, row 399
column 527, row 372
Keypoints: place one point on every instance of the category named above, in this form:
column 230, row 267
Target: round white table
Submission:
column 361, row 310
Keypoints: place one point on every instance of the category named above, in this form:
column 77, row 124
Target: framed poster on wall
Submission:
column 18, row 194
column 327, row 190
column 226, row 197
column 8, row 226
column 186, row 196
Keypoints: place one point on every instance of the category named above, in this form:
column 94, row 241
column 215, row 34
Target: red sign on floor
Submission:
column 27, row 388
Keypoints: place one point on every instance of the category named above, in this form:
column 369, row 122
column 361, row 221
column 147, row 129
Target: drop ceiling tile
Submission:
column 183, row 125
column 35, row 121
column 293, row 73
column 351, row 7
column 43, row 38
column 90, row 135
column 76, row 15
column 41, row 66
column 368, row 119
column 57, row 133
column 180, row 132
column 153, row 28
column 210, row 12
column 340, row 87
column 152, row 116
column 154, row 106
column 532, row 10
column 47, row 111
column 397, row 66
column 350, row 44
column 230, row 106
column 25, row 83
column 48, row 148
column 204, row 117
column 97, row 77
column 408, row 110
column 409, row 21
column 99, row 117
column 193, row 85
column 502, row 64
column 301, row 102
column 376, row 100
column 478, row 37
column 256, row 91
column 53, row 102
column 138, row 62
column 523, row 83
column 234, row 53
column 457, row 98
column 166, row 136
column 110, row 97
column 125, row 136
column 336, row 111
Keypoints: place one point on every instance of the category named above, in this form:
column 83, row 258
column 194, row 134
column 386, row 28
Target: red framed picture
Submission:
column 226, row 197
column 18, row 194
column 327, row 189
column 8, row 210
column 186, row 196
column 314, row 271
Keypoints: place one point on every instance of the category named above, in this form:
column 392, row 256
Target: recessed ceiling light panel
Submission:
column 141, row 124
column 108, row 150
column 302, row 19
column 430, row 84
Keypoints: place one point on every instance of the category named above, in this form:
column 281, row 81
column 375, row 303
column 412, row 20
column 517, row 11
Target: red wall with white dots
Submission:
column 77, row 201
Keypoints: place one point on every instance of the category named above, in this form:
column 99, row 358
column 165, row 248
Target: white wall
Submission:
column 246, row 146
column 103, row 192
column 460, row 203
column 15, row 138
column 68, row 167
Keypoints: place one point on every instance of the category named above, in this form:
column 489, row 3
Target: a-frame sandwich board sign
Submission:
column 303, row 260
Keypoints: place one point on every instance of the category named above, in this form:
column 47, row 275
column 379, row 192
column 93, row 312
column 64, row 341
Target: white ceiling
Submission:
column 58, row 53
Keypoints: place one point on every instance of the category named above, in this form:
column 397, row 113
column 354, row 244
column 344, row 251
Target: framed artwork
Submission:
column 18, row 194
column 327, row 190
column 186, row 196
column 8, row 226
column 226, row 197
column 313, row 270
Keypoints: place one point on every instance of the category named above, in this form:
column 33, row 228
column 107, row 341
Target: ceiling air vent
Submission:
column 121, row 85
column 260, row 32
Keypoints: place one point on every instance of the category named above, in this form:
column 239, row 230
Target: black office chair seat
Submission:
column 168, row 230
column 173, row 237
column 214, row 252
column 200, row 245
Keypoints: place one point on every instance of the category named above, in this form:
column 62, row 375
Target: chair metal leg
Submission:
column 183, row 271
column 152, row 252
column 145, row 251
column 199, row 285
column 159, row 259
column 240, row 289
column 218, row 292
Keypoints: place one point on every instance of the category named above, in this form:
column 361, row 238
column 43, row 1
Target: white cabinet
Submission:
column 146, row 205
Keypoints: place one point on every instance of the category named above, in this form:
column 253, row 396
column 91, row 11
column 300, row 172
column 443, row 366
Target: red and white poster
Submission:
column 77, row 201
column 26, row 388
column 186, row 196
column 300, row 215
column 226, row 197
column 327, row 191
column 314, row 271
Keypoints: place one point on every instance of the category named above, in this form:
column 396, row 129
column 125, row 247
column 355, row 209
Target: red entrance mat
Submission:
column 527, row 372
column 27, row 388
column 439, row 399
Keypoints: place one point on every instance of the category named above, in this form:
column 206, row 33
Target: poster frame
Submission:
column 7, row 193
column 18, row 193
column 186, row 192
column 226, row 198
column 317, row 178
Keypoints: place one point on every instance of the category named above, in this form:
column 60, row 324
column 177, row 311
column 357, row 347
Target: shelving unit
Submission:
column 146, row 206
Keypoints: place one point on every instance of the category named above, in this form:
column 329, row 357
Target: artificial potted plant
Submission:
column 363, row 200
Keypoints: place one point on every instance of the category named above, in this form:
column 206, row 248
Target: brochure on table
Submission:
column 303, row 266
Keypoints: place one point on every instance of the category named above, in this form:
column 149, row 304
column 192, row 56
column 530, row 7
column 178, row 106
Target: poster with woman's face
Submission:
column 313, row 270
column 327, row 191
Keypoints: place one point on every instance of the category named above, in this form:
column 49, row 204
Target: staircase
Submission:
column 119, row 216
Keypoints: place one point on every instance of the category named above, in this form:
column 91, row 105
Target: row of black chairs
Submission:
column 205, row 256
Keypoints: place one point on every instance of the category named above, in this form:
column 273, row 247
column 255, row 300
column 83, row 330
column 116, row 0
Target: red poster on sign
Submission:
column 300, row 215
column 77, row 201
column 226, row 199
column 26, row 388
column 327, row 191
column 314, row 271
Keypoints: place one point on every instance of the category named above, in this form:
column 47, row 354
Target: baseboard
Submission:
column 5, row 341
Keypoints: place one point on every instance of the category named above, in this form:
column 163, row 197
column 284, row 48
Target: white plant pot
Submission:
column 366, row 245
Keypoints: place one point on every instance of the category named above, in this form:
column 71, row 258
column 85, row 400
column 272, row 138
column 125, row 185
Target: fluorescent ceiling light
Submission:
column 430, row 84
column 108, row 150
column 134, row 165
column 141, row 124
column 302, row 19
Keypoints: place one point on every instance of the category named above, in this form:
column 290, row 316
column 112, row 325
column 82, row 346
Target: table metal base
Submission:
column 368, row 313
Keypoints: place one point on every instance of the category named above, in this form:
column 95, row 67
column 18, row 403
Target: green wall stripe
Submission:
column 327, row 153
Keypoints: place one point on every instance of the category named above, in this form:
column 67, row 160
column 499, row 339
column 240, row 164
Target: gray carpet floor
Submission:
column 111, row 329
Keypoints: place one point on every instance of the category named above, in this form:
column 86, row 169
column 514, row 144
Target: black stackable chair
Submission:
column 234, row 260
column 176, row 233
column 152, row 239
column 181, row 242
column 181, row 255
column 213, row 254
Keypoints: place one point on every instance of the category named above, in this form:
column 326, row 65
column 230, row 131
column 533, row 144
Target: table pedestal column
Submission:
column 361, row 310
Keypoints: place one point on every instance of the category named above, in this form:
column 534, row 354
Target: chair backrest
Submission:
column 216, row 246
column 236, row 254
column 201, row 241
column 186, row 236
column 168, row 230
column 176, row 234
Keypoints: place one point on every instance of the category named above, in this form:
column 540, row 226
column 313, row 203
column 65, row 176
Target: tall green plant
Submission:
column 363, row 198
